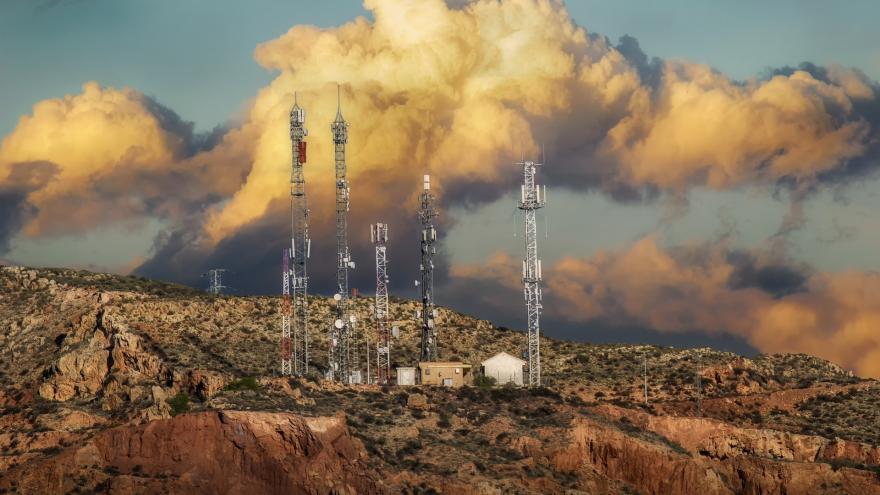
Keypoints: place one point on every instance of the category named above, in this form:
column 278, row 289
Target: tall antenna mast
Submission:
column 300, row 247
column 215, row 280
column 286, row 359
column 343, row 345
column 427, row 213
column 379, row 236
column 532, row 198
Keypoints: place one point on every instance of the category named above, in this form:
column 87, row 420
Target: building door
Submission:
column 447, row 382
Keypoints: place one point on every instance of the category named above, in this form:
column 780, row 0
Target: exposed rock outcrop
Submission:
column 741, row 460
column 214, row 452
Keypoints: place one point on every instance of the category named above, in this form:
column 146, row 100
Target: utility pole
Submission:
column 699, row 383
column 427, row 213
column 379, row 236
column 531, row 200
column 343, row 344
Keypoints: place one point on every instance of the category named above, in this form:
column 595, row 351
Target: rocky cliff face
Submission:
column 229, row 452
column 93, row 361
column 722, row 458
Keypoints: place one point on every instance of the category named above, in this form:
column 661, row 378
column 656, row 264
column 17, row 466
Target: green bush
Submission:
column 444, row 422
column 484, row 381
column 246, row 383
column 179, row 403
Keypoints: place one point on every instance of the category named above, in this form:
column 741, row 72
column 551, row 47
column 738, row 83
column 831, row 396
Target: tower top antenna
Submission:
column 339, row 117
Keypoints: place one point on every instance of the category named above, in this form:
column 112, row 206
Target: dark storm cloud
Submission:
column 778, row 280
column 174, row 124
column 14, row 208
column 650, row 70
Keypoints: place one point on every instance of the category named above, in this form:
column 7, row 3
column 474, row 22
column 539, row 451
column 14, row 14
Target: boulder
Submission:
column 417, row 401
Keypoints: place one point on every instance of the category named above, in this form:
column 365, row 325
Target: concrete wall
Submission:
column 406, row 376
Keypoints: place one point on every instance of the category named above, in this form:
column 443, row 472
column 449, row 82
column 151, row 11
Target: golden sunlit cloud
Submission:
column 460, row 91
column 708, row 287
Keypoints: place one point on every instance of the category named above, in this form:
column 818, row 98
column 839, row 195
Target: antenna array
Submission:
column 295, row 270
column 286, row 359
column 379, row 236
column 532, row 199
column 343, row 341
column 427, row 213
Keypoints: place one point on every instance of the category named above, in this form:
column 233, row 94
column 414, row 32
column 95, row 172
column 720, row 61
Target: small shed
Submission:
column 406, row 375
column 444, row 373
column 504, row 368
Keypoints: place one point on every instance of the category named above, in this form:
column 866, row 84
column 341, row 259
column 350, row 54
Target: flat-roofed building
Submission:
column 444, row 373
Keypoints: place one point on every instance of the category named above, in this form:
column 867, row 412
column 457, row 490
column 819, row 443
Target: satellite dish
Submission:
column 395, row 332
column 352, row 319
column 337, row 297
column 435, row 313
column 338, row 324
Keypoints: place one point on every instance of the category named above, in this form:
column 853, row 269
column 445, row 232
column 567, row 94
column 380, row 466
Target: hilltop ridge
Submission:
column 96, row 356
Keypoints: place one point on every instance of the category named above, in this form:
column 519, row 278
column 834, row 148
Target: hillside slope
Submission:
column 88, row 354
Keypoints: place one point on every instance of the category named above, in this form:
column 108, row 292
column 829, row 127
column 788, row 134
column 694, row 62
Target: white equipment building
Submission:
column 504, row 368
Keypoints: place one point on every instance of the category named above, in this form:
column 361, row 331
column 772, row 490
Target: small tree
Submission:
column 484, row 381
column 179, row 403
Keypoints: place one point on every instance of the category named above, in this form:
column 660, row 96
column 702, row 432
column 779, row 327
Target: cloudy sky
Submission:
column 712, row 167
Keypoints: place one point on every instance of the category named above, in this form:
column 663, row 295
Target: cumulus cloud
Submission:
column 776, row 305
column 15, row 210
column 458, row 89
column 116, row 154
column 462, row 90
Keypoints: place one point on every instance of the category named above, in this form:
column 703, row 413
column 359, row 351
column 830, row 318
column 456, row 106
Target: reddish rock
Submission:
column 214, row 452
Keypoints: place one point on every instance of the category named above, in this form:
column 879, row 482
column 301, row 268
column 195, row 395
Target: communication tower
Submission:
column 428, row 314
column 532, row 198
column 343, row 342
column 286, row 358
column 215, row 280
column 379, row 236
column 296, row 270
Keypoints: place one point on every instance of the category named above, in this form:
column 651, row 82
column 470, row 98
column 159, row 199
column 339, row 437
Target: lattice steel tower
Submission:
column 427, row 213
column 531, row 199
column 379, row 236
column 343, row 343
column 215, row 281
column 286, row 353
column 300, row 246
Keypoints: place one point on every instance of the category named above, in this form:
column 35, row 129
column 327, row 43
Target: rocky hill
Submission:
column 116, row 384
